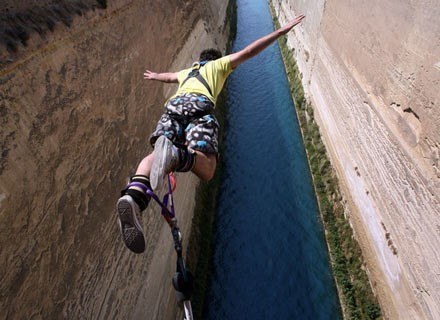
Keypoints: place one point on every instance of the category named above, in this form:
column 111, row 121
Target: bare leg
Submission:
column 204, row 167
column 144, row 166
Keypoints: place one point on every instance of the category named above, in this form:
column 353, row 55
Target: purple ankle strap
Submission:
column 144, row 188
column 167, row 212
column 139, row 185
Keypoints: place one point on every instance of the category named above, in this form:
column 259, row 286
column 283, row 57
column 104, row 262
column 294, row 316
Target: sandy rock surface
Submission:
column 75, row 119
column 371, row 70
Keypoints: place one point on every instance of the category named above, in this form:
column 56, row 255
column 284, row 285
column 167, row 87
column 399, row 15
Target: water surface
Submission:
column 270, row 259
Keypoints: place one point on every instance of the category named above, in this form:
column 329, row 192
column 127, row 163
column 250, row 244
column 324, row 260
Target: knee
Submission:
column 208, row 175
column 205, row 166
column 209, row 172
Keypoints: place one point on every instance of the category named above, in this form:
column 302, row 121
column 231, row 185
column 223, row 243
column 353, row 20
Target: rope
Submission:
column 183, row 279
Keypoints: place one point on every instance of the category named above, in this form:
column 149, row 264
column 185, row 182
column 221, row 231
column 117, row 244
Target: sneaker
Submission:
column 131, row 230
column 166, row 159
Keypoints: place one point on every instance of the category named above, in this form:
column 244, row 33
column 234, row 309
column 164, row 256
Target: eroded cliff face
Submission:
column 371, row 70
column 75, row 119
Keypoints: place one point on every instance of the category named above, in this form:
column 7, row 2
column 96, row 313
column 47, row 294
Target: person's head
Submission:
column 210, row 54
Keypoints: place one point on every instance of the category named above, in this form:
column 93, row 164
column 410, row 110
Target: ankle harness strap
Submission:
column 139, row 185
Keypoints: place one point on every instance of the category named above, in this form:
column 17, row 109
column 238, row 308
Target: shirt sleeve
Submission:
column 223, row 65
column 182, row 74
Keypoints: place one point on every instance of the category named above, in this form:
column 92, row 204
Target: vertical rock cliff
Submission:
column 75, row 119
column 372, row 71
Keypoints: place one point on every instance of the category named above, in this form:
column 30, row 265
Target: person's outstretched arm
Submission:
column 168, row 77
column 259, row 45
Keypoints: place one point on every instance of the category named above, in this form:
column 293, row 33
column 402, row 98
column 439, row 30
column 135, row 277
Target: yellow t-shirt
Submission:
column 214, row 72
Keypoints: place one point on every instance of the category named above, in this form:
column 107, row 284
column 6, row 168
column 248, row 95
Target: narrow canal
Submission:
column 270, row 259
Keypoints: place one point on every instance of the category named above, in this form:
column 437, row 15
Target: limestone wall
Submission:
column 372, row 72
column 75, row 119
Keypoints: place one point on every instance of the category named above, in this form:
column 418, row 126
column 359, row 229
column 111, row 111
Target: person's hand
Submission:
column 167, row 77
column 150, row 75
column 289, row 26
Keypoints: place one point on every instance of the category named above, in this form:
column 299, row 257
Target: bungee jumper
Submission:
column 185, row 139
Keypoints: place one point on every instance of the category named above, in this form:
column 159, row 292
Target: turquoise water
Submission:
column 270, row 259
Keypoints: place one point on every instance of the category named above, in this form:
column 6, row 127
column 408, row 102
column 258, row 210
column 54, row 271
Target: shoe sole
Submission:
column 131, row 230
column 162, row 150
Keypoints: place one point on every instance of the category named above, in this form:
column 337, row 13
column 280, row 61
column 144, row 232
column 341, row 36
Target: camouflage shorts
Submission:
column 188, row 120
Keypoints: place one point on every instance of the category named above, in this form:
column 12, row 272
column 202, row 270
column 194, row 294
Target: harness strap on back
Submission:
column 195, row 73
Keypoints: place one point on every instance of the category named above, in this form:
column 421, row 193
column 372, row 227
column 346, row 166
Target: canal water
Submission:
column 270, row 259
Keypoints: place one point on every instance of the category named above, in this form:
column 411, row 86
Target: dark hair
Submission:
column 210, row 54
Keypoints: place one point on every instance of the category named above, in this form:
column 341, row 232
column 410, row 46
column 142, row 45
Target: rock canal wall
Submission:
column 75, row 119
column 372, row 72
